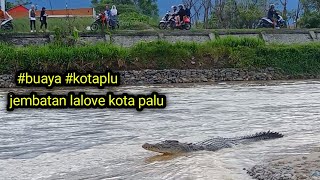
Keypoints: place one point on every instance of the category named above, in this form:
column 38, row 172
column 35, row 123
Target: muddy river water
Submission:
column 106, row 143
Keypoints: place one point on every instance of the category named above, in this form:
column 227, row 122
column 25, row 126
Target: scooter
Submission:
column 267, row 23
column 7, row 23
column 185, row 24
column 165, row 20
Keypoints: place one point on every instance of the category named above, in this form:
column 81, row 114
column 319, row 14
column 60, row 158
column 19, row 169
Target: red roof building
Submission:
column 18, row 12
column 22, row 12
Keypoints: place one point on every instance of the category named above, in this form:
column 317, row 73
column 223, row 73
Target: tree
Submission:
column 195, row 6
column 9, row 5
column 310, row 5
column 284, row 12
column 207, row 5
column 147, row 7
column 23, row 2
column 94, row 2
column 311, row 14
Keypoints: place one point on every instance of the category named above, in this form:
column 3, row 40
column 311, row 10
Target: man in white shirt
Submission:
column 32, row 17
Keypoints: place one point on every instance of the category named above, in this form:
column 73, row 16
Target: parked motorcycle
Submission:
column 267, row 23
column 97, row 24
column 6, row 25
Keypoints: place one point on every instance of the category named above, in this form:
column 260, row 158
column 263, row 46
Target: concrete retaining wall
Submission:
column 127, row 39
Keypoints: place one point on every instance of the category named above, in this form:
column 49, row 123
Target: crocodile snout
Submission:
column 146, row 146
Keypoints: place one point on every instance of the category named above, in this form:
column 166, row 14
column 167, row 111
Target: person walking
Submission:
column 32, row 17
column 43, row 19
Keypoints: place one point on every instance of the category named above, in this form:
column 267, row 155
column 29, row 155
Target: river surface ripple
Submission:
column 106, row 143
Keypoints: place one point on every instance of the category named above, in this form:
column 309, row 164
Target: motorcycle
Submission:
column 6, row 25
column 267, row 23
column 165, row 21
column 185, row 24
column 97, row 24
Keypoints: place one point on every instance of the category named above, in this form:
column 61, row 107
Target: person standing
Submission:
column 113, row 17
column 107, row 13
column 43, row 19
column 32, row 17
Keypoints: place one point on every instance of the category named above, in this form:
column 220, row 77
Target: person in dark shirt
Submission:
column 188, row 11
column 43, row 19
column 181, row 13
column 271, row 13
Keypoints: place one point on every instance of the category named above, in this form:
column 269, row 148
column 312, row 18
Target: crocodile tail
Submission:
column 262, row 136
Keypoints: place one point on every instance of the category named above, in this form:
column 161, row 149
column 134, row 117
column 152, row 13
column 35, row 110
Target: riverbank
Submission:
column 171, row 76
column 238, row 53
column 162, row 62
column 290, row 168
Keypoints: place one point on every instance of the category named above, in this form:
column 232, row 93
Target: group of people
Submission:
column 43, row 18
column 180, row 12
column 32, row 17
column 109, row 16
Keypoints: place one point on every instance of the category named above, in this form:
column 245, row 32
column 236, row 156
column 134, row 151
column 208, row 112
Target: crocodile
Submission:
column 168, row 147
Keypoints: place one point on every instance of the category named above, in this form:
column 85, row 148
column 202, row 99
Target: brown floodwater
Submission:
column 106, row 143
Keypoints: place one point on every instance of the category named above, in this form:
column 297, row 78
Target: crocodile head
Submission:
column 167, row 147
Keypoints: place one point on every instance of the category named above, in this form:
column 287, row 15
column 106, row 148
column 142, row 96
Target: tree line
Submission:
column 221, row 14
column 245, row 13
column 233, row 13
column 146, row 7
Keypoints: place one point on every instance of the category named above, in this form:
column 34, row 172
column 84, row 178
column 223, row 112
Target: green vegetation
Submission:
column 127, row 21
column 133, row 15
column 139, row 15
column 311, row 15
column 220, row 53
column 22, row 25
column 225, row 14
column 145, row 7
column 311, row 20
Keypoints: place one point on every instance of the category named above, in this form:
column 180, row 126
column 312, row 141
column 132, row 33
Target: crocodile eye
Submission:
column 171, row 141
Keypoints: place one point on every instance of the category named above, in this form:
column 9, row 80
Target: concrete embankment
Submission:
column 129, row 38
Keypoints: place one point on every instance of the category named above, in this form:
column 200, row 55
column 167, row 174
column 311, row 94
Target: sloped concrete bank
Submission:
column 172, row 76
column 129, row 38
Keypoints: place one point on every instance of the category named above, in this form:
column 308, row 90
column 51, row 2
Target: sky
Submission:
column 164, row 5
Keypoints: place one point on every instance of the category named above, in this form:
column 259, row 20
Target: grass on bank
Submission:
column 127, row 21
column 229, row 52
column 130, row 21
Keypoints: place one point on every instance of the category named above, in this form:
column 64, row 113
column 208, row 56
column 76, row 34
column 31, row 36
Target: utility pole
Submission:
column 3, row 5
